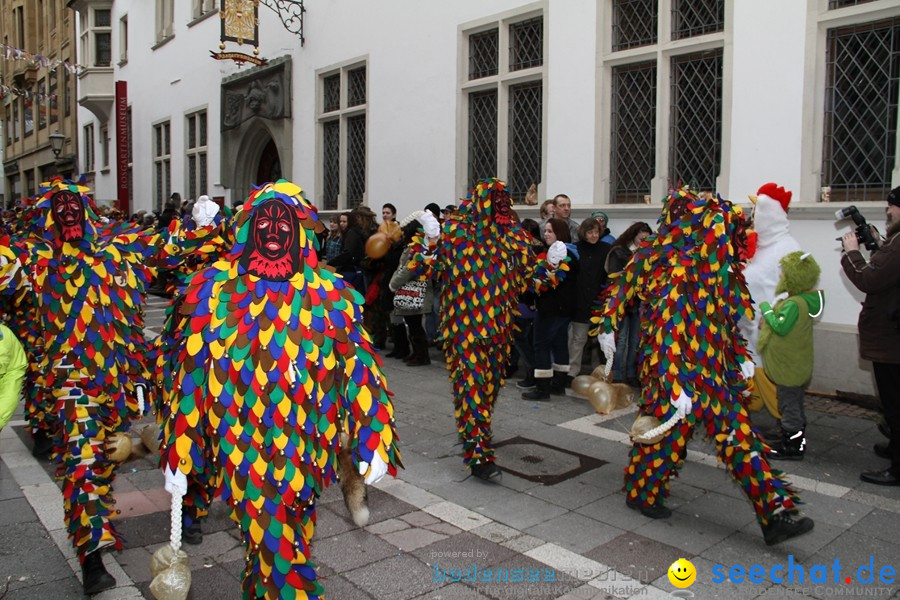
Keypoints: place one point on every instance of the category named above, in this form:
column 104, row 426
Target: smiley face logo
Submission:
column 682, row 573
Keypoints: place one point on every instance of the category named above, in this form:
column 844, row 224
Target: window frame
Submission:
column 813, row 138
column 502, row 82
column 165, row 20
column 343, row 114
column 161, row 152
column 197, row 184
column 661, row 52
column 87, row 134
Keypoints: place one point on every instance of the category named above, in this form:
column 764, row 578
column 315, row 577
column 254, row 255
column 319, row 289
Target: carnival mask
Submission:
column 68, row 214
column 272, row 252
column 502, row 207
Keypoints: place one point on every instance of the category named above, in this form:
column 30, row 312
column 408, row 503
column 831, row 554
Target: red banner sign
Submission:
column 122, row 183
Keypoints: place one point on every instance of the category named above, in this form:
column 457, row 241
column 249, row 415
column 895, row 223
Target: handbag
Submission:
column 411, row 296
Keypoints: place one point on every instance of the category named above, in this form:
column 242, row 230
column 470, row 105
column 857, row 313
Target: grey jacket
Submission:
column 403, row 275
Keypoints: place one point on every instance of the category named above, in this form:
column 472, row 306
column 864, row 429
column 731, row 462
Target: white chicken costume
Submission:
column 762, row 272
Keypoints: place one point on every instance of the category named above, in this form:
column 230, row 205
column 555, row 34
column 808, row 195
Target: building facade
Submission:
column 38, row 87
column 608, row 101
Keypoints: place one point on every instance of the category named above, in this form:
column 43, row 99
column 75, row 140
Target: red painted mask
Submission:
column 273, row 250
column 502, row 206
column 68, row 214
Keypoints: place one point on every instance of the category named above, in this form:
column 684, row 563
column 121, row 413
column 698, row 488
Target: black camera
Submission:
column 863, row 231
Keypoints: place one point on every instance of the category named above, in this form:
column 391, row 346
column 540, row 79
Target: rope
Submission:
column 175, row 537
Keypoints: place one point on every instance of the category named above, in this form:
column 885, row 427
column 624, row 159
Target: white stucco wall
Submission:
column 416, row 126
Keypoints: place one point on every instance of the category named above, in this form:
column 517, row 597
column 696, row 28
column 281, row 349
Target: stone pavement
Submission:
column 555, row 526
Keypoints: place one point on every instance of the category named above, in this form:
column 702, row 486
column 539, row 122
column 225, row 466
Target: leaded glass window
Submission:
column 526, row 44
column 331, row 163
column 525, row 111
column 832, row 4
column 356, row 160
column 356, row 87
column 696, row 119
column 863, row 75
column 482, row 135
column 332, row 93
column 483, row 54
column 634, row 23
column 697, row 17
column 633, row 134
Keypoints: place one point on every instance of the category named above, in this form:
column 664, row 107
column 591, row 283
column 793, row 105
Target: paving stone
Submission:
column 574, row 532
column 9, row 489
column 384, row 506
column 576, row 492
column 410, row 539
column 145, row 529
column 522, row 577
column 338, row 587
column 33, row 559
column 454, row 591
column 66, row 588
column 350, row 550
column 612, row 511
column 853, row 551
column 879, row 524
column 523, row 543
column 836, row 511
column 214, row 582
column 332, row 520
column 389, row 526
column 461, row 551
column 16, row 510
column 521, row 511
column 136, row 563
column 496, row 532
column 399, row 577
column 636, row 556
column 216, row 547
column 443, row 528
column 420, row 519
column 801, row 547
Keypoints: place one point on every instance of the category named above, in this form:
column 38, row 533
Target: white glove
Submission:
column 429, row 224
column 607, row 343
column 683, row 404
column 176, row 483
column 748, row 369
column 377, row 471
column 556, row 253
column 204, row 211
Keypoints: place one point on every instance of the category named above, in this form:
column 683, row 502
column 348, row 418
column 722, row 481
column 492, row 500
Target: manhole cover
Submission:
column 543, row 463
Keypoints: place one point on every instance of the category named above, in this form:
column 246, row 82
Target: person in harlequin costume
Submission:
column 774, row 241
column 201, row 486
column 786, row 346
column 88, row 279
column 18, row 309
column 273, row 366
column 693, row 361
column 484, row 258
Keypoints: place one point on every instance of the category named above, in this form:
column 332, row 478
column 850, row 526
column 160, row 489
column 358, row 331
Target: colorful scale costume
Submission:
column 484, row 258
column 88, row 279
column 689, row 276
column 201, row 485
column 274, row 365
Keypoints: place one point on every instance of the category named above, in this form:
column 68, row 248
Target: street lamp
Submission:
column 57, row 140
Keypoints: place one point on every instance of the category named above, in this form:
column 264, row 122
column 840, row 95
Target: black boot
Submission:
column 192, row 534
column 541, row 391
column 401, row 342
column 420, row 356
column 43, row 444
column 94, row 577
column 654, row 511
column 791, row 447
column 558, row 383
column 486, row 470
column 783, row 527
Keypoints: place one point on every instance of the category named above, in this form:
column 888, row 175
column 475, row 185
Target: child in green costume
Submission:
column 786, row 346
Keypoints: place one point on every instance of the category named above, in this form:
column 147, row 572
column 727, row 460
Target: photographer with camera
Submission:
column 879, row 330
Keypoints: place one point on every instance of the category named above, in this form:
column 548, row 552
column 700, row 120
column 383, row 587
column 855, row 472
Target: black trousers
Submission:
column 887, row 379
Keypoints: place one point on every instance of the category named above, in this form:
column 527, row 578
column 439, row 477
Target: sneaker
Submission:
column 527, row 384
column 653, row 511
column 792, row 446
column 783, row 527
column 486, row 470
